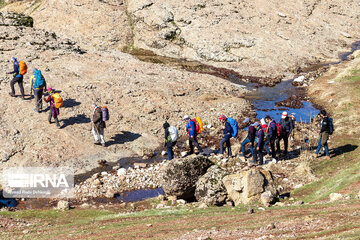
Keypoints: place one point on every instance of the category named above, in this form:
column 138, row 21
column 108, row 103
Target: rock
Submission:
column 63, row 205
column 280, row 204
column 247, row 186
column 140, row 165
column 266, row 198
column 300, row 202
column 336, row 197
column 163, row 153
column 161, row 197
column 121, row 171
column 210, row 188
column 281, row 14
column 110, row 193
column 181, row 201
column 270, row 226
column 97, row 182
column 203, row 205
column 183, row 154
column 180, row 176
column 346, row 34
column 149, row 225
column 250, row 211
column 84, row 205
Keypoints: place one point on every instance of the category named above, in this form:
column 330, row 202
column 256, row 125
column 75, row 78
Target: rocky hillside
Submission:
column 257, row 38
column 140, row 96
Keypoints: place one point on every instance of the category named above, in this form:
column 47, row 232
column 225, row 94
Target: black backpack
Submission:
column 252, row 133
column 331, row 126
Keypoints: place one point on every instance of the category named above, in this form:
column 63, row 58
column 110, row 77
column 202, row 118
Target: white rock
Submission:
column 346, row 34
column 299, row 79
column 163, row 153
column 183, row 154
column 335, row 197
column 121, row 171
column 281, row 14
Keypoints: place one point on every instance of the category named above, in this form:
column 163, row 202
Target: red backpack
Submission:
column 278, row 129
column 197, row 126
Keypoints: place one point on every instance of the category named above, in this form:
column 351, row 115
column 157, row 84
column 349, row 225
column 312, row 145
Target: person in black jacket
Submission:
column 324, row 134
column 286, row 130
column 272, row 135
column 259, row 147
column 169, row 144
column 249, row 139
column 226, row 137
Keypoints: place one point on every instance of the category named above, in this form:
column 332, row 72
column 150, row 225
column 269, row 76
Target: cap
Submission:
column 262, row 121
column 284, row 115
column 186, row 117
column 255, row 124
column 50, row 89
column 222, row 117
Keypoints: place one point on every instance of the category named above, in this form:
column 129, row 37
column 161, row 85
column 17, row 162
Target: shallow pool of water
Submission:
column 139, row 195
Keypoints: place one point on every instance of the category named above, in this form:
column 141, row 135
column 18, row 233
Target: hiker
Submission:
column 98, row 125
column 169, row 140
column 18, row 78
column 249, row 139
column 192, row 133
column 272, row 135
column 324, row 134
column 266, row 138
column 38, row 84
column 258, row 151
column 227, row 135
column 54, row 111
column 284, row 132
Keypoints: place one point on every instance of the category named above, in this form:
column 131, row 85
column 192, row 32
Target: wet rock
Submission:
column 180, row 176
column 210, row 188
column 63, row 205
column 247, row 186
column 293, row 101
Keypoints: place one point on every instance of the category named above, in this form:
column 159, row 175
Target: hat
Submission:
column 13, row 59
column 222, row 117
column 255, row 124
column 284, row 115
column 50, row 89
column 246, row 120
column 262, row 121
column 186, row 117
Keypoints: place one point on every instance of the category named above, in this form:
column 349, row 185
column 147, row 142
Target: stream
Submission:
column 263, row 98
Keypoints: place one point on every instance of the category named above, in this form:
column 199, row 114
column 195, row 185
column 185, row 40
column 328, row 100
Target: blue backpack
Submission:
column 234, row 127
column 39, row 79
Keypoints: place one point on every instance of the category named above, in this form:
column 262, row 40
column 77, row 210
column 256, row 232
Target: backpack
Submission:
column 174, row 134
column 58, row 101
column 201, row 128
column 22, row 68
column 331, row 126
column 105, row 113
column 252, row 133
column 197, row 125
column 234, row 127
column 278, row 129
column 293, row 120
column 39, row 79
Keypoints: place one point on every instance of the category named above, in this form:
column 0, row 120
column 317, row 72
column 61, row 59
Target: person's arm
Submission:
column 31, row 84
column 291, row 125
column 227, row 128
column 97, row 116
column 15, row 69
column 48, row 99
column 324, row 125
column 45, row 86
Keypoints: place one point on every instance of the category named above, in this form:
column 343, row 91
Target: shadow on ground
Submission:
column 78, row 119
column 123, row 138
column 343, row 149
column 68, row 103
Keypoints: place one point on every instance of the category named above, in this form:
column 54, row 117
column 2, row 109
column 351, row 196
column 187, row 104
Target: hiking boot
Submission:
column 97, row 142
column 11, row 94
column 314, row 155
column 103, row 144
column 35, row 110
column 58, row 126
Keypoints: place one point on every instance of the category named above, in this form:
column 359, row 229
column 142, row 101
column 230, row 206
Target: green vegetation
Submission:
column 2, row 3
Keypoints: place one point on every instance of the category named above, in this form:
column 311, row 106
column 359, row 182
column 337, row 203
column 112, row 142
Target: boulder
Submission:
column 336, row 197
column 210, row 188
column 247, row 186
column 181, row 175
column 63, row 205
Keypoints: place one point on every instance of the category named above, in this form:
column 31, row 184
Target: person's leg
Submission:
column 252, row 148
column 228, row 145
column 255, row 155
column 36, row 94
column 318, row 147
column 191, row 146
column 95, row 134
column 278, row 144
column 102, row 139
column 39, row 102
column 267, row 147
column 57, row 122
column 169, row 151
column 261, row 156
column 197, row 145
column 286, row 141
column 272, row 145
column 21, row 86
column 243, row 145
column 12, row 83
column 50, row 115
column 223, row 140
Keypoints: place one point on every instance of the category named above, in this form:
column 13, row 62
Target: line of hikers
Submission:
column 260, row 135
column 38, row 85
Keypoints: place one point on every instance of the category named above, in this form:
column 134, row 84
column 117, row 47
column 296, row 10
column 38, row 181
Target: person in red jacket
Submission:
column 54, row 112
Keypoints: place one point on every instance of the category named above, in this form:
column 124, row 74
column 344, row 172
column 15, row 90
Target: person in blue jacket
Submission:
column 18, row 78
column 227, row 135
column 272, row 135
column 258, row 151
column 192, row 133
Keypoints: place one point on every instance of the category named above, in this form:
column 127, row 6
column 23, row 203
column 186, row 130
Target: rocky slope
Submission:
column 256, row 38
column 140, row 96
